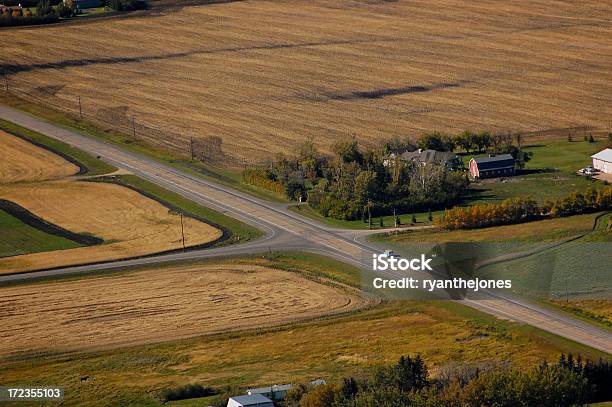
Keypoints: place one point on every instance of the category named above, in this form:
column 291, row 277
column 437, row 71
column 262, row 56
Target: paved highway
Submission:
column 284, row 230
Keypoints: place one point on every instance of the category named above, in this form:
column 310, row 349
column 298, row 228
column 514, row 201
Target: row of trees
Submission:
column 523, row 209
column 356, row 183
column 46, row 13
column 569, row 382
column 16, row 16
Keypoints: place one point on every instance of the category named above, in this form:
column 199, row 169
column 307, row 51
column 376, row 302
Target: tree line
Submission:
column 358, row 183
column 524, row 209
column 47, row 12
column 569, row 382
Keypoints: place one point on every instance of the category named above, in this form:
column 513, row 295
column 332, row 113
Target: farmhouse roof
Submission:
column 495, row 162
column 604, row 155
column 253, row 400
column 429, row 156
column 270, row 389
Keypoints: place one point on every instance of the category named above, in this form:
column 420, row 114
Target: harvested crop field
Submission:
column 160, row 305
column 264, row 75
column 129, row 223
column 23, row 161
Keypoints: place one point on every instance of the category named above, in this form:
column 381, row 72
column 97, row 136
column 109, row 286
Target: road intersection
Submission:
column 284, row 230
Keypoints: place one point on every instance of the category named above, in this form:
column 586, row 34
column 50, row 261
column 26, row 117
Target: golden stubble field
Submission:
column 129, row 223
column 160, row 305
column 264, row 75
column 23, row 161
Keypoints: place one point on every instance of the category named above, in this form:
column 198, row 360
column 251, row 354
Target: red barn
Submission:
column 493, row 166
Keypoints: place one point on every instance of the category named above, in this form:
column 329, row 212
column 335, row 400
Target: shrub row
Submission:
column 263, row 179
column 523, row 209
column 11, row 21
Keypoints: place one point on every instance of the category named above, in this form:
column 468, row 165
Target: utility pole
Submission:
column 182, row 230
column 80, row 108
column 369, row 216
column 6, row 82
column 134, row 126
column 394, row 219
column 191, row 147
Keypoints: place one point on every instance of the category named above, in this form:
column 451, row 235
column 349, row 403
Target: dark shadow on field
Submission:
column 8, row 68
column 381, row 93
column 405, row 90
column 36, row 222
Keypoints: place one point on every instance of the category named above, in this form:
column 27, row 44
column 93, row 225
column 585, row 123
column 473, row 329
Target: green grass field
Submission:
column 553, row 173
column 530, row 232
column 579, row 267
column 328, row 348
column 18, row 238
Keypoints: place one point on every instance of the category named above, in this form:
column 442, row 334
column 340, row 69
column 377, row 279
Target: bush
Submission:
column 126, row 5
column 115, row 5
column 567, row 383
column 10, row 21
column 43, row 8
column 66, row 9
column 188, row 391
column 264, row 179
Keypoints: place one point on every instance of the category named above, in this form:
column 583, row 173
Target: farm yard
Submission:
column 160, row 305
column 250, row 79
column 129, row 223
column 550, row 174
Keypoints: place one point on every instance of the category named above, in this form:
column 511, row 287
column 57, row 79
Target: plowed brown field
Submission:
column 264, row 75
column 23, row 161
column 159, row 305
column 129, row 223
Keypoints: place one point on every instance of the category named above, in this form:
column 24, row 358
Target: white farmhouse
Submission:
column 602, row 161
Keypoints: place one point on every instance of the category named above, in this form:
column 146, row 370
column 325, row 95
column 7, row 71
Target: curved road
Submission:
column 284, row 230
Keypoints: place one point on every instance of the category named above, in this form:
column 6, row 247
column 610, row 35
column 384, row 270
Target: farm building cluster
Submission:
column 265, row 396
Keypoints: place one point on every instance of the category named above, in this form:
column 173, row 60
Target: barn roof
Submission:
column 252, row 400
column 604, row 155
column 495, row 162
column 429, row 156
column 270, row 389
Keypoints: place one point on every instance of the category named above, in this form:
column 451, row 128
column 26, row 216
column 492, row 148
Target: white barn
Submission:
column 602, row 161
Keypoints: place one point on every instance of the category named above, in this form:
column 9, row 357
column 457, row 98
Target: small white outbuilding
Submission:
column 602, row 161
column 250, row 400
